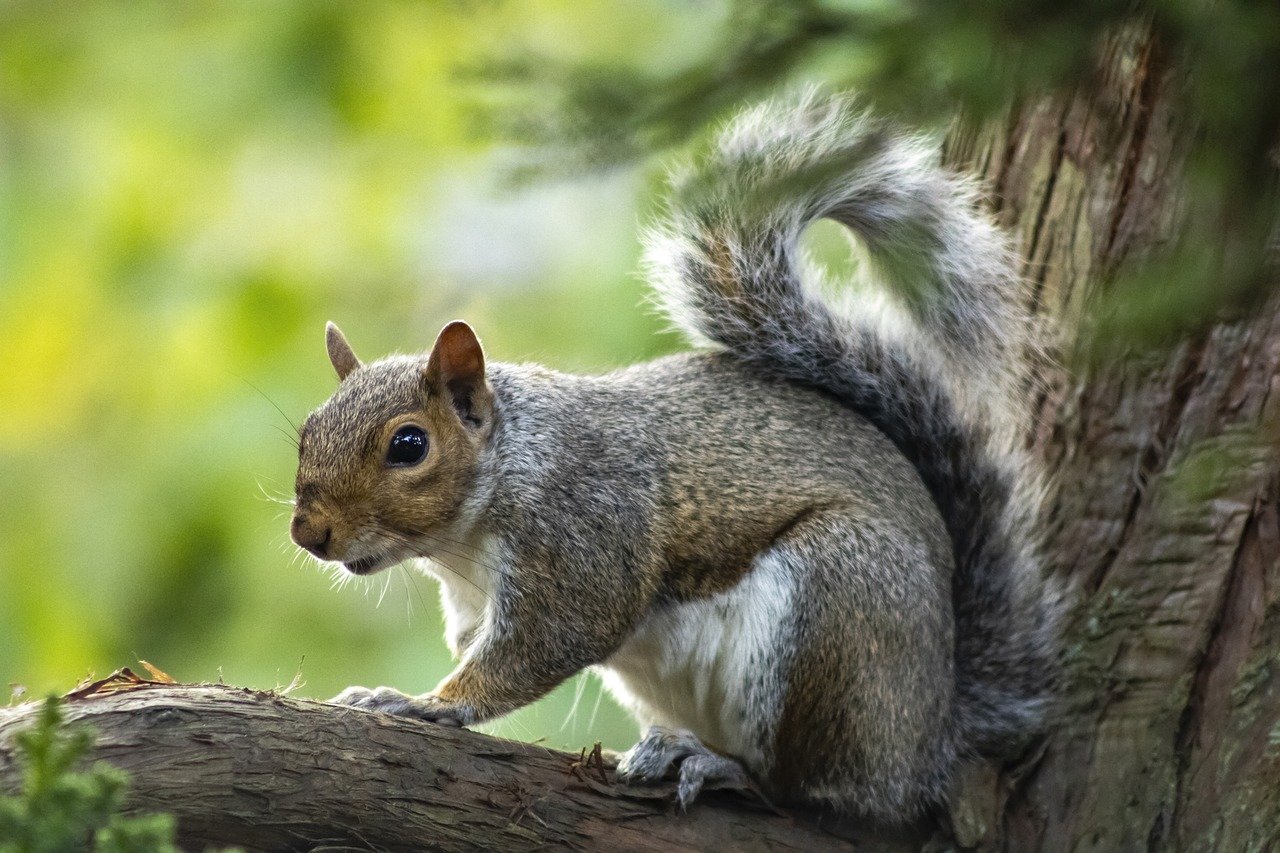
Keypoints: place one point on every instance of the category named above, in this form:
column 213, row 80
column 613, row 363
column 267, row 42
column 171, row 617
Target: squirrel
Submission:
column 803, row 556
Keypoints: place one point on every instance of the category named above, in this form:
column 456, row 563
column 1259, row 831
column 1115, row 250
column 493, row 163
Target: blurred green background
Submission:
column 187, row 192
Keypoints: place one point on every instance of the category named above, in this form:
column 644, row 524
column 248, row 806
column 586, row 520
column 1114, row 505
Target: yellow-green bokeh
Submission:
column 187, row 192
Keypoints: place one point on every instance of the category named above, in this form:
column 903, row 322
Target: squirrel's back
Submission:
column 727, row 455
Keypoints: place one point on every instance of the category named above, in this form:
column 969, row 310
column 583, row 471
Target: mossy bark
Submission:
column 1163, row 515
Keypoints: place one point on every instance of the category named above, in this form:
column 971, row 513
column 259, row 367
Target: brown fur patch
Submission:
column 343, row 480
column 722, row 270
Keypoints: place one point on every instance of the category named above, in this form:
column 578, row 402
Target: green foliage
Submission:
column 934, row 60
column 607, row 114
column 61, row 808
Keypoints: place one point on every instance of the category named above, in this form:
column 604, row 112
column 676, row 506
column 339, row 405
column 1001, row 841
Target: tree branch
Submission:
column 263, row 771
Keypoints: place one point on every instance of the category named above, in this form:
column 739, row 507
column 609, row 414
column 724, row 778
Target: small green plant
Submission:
column 62, row 808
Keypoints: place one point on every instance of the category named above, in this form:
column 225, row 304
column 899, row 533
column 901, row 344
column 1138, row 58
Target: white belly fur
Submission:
column 466, row 585
column 711, row 666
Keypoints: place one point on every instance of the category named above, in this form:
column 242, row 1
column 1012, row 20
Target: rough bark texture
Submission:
column 1164, row 509
column 266, row 772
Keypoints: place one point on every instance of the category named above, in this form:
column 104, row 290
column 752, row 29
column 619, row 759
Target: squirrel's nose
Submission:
column 312, row 537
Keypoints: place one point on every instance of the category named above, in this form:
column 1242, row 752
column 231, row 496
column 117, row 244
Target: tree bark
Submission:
column 1163, row 516
column 267, row 772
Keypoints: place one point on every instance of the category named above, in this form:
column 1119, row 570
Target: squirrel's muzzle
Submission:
column 311, row 536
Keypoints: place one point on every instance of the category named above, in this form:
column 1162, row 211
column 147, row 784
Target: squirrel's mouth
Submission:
column 368, row 565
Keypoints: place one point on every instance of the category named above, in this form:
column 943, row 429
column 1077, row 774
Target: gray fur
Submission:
column 949, row 392
column 803, row 552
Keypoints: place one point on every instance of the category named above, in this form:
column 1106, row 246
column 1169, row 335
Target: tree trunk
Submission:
column 1163, row 516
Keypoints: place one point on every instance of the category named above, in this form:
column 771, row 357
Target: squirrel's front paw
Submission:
column 388, row 700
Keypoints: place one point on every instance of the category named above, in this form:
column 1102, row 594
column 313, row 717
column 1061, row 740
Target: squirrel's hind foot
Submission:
column 662, row 750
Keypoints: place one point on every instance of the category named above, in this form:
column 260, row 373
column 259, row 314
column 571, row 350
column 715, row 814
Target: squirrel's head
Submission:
column 385, row 464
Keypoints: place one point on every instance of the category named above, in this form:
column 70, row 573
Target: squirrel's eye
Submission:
column 408, row 446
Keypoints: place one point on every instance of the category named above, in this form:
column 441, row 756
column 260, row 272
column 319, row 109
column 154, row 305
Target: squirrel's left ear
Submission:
column 456, row 367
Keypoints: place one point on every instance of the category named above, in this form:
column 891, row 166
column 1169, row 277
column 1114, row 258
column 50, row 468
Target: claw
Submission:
column 697, row 770
column 687, row 790
column 658, row 752
column 662, row 750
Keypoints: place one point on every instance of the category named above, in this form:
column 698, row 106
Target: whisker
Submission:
column 408, row 600
column 472, row 560
column 275, row 499
column 596, row 710
column 385, row 586
column 287, row 419
column 501, row 569
column 289, row 437
column 577, row 697
column 408, row 543
column 484, row 592
column 412, row 581
column 495, row 568
column 437, row 537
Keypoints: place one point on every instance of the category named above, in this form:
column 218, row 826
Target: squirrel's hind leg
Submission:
column 662, row 749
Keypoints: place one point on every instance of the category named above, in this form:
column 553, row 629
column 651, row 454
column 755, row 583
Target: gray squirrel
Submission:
column 802, row 556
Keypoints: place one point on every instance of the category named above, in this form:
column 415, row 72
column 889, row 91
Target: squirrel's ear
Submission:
column 341, row 355
column 456, row 366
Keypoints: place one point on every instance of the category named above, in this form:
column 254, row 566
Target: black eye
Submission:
column 408, row 446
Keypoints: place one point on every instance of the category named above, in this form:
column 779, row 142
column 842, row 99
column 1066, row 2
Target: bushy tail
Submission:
column 946, row 387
